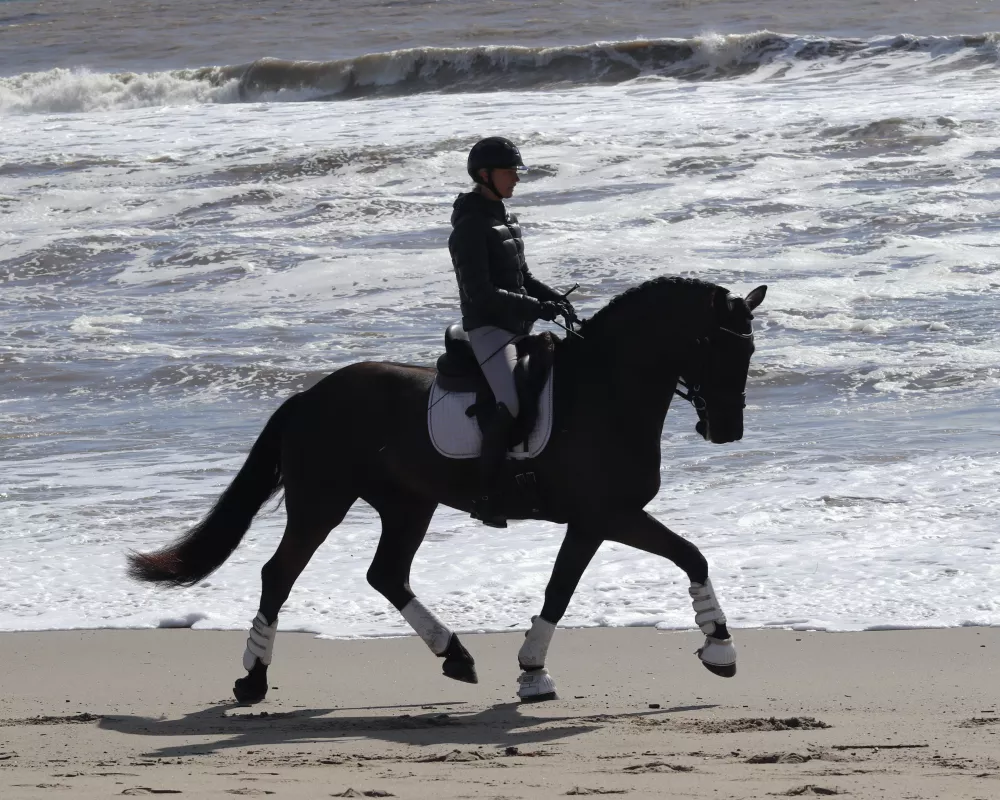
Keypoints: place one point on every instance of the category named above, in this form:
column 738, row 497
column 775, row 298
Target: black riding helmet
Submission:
column 493, row 152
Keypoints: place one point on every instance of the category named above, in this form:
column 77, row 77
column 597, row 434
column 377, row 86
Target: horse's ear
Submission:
column 756, row 297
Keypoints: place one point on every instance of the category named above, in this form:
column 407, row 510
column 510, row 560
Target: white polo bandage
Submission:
column 432, row 630
column 707, row 612
column 536, row 644
column 260, row 642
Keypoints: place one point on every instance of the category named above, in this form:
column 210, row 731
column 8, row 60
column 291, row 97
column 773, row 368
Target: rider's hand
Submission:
column 568, row 312
column 550, row 310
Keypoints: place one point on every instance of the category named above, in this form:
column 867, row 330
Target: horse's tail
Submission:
column 205, row 548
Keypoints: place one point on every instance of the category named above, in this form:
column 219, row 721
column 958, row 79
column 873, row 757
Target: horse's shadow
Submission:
column 501, row 725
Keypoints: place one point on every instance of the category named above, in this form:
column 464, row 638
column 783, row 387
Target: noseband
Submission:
column 694, row 391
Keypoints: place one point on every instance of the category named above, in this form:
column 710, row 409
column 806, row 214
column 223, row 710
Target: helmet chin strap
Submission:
column 488, row 183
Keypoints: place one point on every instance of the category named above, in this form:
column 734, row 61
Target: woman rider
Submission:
column 500, row 298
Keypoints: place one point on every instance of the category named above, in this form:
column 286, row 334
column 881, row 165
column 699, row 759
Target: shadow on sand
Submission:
column 501, row 725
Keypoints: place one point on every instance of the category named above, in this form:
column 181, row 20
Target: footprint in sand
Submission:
column 657, row 766
column 760, row 724
column 779, row 758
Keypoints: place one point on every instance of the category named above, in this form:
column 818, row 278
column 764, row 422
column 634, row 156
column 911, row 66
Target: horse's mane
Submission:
column 667, row 294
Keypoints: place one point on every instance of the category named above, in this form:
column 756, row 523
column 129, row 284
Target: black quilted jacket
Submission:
column 494, row 283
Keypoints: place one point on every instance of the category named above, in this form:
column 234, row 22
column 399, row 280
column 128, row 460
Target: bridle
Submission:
column 694, row 393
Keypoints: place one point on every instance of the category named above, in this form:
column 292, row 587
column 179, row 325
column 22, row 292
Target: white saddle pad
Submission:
column 456, row 435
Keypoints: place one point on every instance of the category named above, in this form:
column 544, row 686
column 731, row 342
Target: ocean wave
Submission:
column 70, row 91
column 472, row 69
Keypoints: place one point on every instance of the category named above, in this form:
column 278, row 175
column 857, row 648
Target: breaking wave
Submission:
column 477, row 69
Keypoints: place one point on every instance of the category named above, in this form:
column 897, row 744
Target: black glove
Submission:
column 568, row 312
column 550, row 310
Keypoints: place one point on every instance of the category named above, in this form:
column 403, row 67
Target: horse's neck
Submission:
column 643, row 387
column 640, row 375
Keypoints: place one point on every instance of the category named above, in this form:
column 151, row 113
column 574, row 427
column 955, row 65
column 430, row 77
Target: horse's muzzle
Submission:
column 720, row 433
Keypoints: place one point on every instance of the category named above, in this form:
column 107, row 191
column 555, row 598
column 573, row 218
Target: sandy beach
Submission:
column 899, row 714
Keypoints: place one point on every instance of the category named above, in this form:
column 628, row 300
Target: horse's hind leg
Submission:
column 311, row 517
column 405, row 518
column 638, row 529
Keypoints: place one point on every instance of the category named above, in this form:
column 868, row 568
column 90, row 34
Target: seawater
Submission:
column 191, row 232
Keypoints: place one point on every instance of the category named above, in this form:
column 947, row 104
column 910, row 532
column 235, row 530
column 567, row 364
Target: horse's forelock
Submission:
column 739, row 312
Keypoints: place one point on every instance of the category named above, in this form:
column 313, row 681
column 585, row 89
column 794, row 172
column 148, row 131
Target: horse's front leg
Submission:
column 577, row 550
column 638, row 529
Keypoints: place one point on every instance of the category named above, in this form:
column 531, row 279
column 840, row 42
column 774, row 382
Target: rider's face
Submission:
column 505, row 179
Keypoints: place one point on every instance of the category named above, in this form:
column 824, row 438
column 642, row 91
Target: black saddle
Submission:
column 458, row 371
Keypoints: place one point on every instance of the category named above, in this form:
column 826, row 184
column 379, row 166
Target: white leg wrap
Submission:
column 706, row 607
column 536, row 644
column 431, row 629
column 260, row 642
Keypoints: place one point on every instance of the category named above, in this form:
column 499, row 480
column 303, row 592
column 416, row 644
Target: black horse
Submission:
column 361, row 432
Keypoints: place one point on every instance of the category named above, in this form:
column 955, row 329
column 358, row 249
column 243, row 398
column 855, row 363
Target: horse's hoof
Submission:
column 253, row 688
column 460, row 670
column 458, row 662
column 540, row 698
column 719, row 656
column 247, row 694
column 536, row 686
column 727, row 671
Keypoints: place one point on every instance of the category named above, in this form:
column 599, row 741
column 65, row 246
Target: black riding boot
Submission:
column 491, row 461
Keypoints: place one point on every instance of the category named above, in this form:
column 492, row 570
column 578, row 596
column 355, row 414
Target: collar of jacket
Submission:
column 475, row 203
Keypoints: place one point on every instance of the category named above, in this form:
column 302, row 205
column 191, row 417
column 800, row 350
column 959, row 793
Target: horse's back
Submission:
column 365, row 377
column 361, row 399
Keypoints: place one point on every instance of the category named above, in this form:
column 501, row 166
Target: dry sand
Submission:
column 901, row 714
